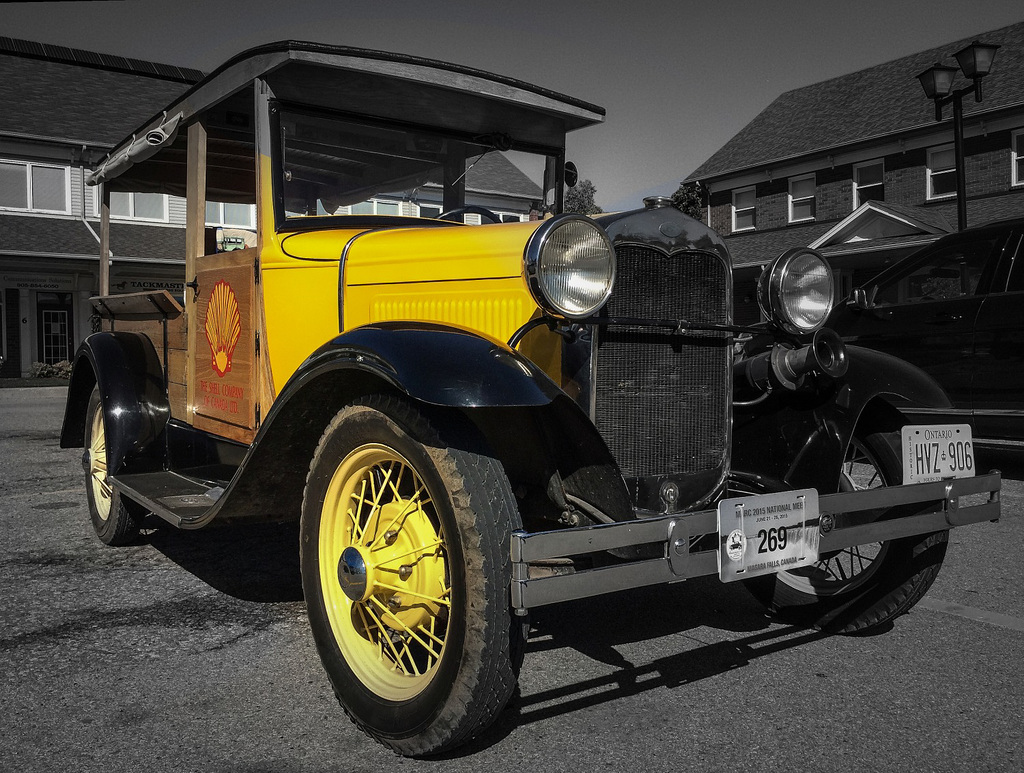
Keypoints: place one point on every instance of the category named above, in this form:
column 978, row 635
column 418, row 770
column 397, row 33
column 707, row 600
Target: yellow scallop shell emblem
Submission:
column 223, row 326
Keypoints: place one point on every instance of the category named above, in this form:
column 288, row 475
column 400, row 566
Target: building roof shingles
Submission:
column 871, row 103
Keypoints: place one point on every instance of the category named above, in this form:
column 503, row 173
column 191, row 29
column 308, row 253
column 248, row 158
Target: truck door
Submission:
column 224, row 344
column 222, row 300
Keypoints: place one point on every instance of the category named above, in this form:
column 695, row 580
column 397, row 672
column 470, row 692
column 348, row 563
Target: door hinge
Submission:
column 257, row 415
column 256, row 271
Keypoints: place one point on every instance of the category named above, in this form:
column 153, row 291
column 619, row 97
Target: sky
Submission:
column 678, row 79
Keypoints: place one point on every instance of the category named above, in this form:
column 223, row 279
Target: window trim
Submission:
column 132, row 217
column 813, row 198
column 221, row 224
column 734, row 209
column 1016, row 160
column 929, row 196
column 29, row 197
column 857, row 186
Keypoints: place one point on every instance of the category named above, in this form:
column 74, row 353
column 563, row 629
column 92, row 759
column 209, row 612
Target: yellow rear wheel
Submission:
column 115, row 520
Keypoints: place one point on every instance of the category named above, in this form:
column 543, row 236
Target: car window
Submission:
column 950, row 272
column 1016, row 282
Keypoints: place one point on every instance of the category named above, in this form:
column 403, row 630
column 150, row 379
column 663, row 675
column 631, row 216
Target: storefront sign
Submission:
column 38, row 282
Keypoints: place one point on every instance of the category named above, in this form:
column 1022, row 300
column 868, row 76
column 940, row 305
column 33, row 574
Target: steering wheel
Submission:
column 472, row 209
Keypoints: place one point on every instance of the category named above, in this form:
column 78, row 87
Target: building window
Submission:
column 428, row 210
column 868, row 182
column 230, row 215
column 372, row 207
column 139, row 206
column 34, row 187
column 1017, row 152
column 744, row 209
column 801, row 198
column 941, row 172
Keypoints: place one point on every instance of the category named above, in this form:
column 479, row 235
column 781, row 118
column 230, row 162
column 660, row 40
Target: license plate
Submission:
column 937, row 452
column 767, row 534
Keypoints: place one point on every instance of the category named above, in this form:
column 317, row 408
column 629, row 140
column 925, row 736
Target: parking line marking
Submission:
column 973, row 613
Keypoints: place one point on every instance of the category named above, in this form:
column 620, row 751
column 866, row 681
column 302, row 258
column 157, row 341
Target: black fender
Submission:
column 457, row 375
column 799, row 440
column 130, row 378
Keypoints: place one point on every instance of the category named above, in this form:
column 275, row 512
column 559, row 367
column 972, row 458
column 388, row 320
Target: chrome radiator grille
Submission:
column 662, row 398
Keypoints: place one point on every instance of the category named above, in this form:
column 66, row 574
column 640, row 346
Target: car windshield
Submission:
column 333, row 166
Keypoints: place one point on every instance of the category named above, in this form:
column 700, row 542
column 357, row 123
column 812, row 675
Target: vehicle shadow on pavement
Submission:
column 251, row 562
column 639, row 615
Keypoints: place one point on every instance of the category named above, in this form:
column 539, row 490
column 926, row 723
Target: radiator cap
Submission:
column 657, row 202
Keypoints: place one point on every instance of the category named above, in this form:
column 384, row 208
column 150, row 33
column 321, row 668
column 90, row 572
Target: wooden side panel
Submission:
column 224, row 388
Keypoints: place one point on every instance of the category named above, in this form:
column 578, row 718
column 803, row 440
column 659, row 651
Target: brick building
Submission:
column 858, row 168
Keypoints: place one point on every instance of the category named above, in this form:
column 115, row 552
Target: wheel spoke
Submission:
column 407, row 629
column 407, row 592
column 420, row 551
column 411, row 505
column 383, row 637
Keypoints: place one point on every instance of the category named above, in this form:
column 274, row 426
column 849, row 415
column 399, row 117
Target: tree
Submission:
column 689, row 199
column 581, row 199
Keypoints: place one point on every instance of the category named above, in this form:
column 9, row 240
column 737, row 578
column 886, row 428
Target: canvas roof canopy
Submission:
column 356, row 82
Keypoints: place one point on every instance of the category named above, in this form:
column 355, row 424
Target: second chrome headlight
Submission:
column 795, row 290
column 570, row 265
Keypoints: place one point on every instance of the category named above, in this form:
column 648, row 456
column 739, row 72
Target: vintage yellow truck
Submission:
column 473, row 418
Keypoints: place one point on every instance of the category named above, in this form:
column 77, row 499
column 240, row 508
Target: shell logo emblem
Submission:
column 223, row 326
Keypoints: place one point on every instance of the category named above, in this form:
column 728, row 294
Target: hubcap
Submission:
column 352, row 574
column 384, row 571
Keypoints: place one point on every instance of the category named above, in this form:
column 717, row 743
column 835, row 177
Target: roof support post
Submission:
column 104, row 288
column 454, row 177
column 195, row 244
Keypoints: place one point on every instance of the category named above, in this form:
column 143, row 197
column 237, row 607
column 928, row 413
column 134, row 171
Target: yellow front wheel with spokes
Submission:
column 385, row 574
column 406, row 570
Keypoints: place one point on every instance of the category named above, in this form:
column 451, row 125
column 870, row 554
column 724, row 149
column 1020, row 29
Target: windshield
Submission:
column 333, row 166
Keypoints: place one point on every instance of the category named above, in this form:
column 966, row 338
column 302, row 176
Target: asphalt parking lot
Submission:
column 189, row 651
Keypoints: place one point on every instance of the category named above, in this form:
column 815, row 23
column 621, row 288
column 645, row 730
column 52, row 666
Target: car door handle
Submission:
column 945, row 318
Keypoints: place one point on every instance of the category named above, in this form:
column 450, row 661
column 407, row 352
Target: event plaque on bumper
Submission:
column 767, row 533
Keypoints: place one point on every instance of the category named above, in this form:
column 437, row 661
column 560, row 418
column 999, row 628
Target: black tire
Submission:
column 450, row 512
column 115, row 519
column 859, row 589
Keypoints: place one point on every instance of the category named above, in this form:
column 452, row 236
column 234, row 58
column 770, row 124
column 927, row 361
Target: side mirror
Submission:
column 572, row 174
column 859, row 299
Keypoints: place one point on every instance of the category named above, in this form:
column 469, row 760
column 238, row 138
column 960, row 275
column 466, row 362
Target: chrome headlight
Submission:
column 795, row 290
column 570, row 266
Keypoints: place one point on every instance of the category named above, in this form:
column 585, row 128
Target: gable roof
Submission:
column 495, row 174
column 874, row 220
column 868, row 104
column 52, row 93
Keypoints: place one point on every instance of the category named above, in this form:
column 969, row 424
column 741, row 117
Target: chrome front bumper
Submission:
column 846, row 519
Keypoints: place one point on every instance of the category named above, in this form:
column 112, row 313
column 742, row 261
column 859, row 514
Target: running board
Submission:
column 178, row 499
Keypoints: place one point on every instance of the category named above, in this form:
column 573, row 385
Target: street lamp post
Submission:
column 975, row 61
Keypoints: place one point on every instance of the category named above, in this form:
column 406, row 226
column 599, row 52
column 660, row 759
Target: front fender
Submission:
column 800, row 439
column 127, row 371
column 435, row 364
column 527, row 421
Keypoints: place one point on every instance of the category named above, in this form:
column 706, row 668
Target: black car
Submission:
column 955, row 309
